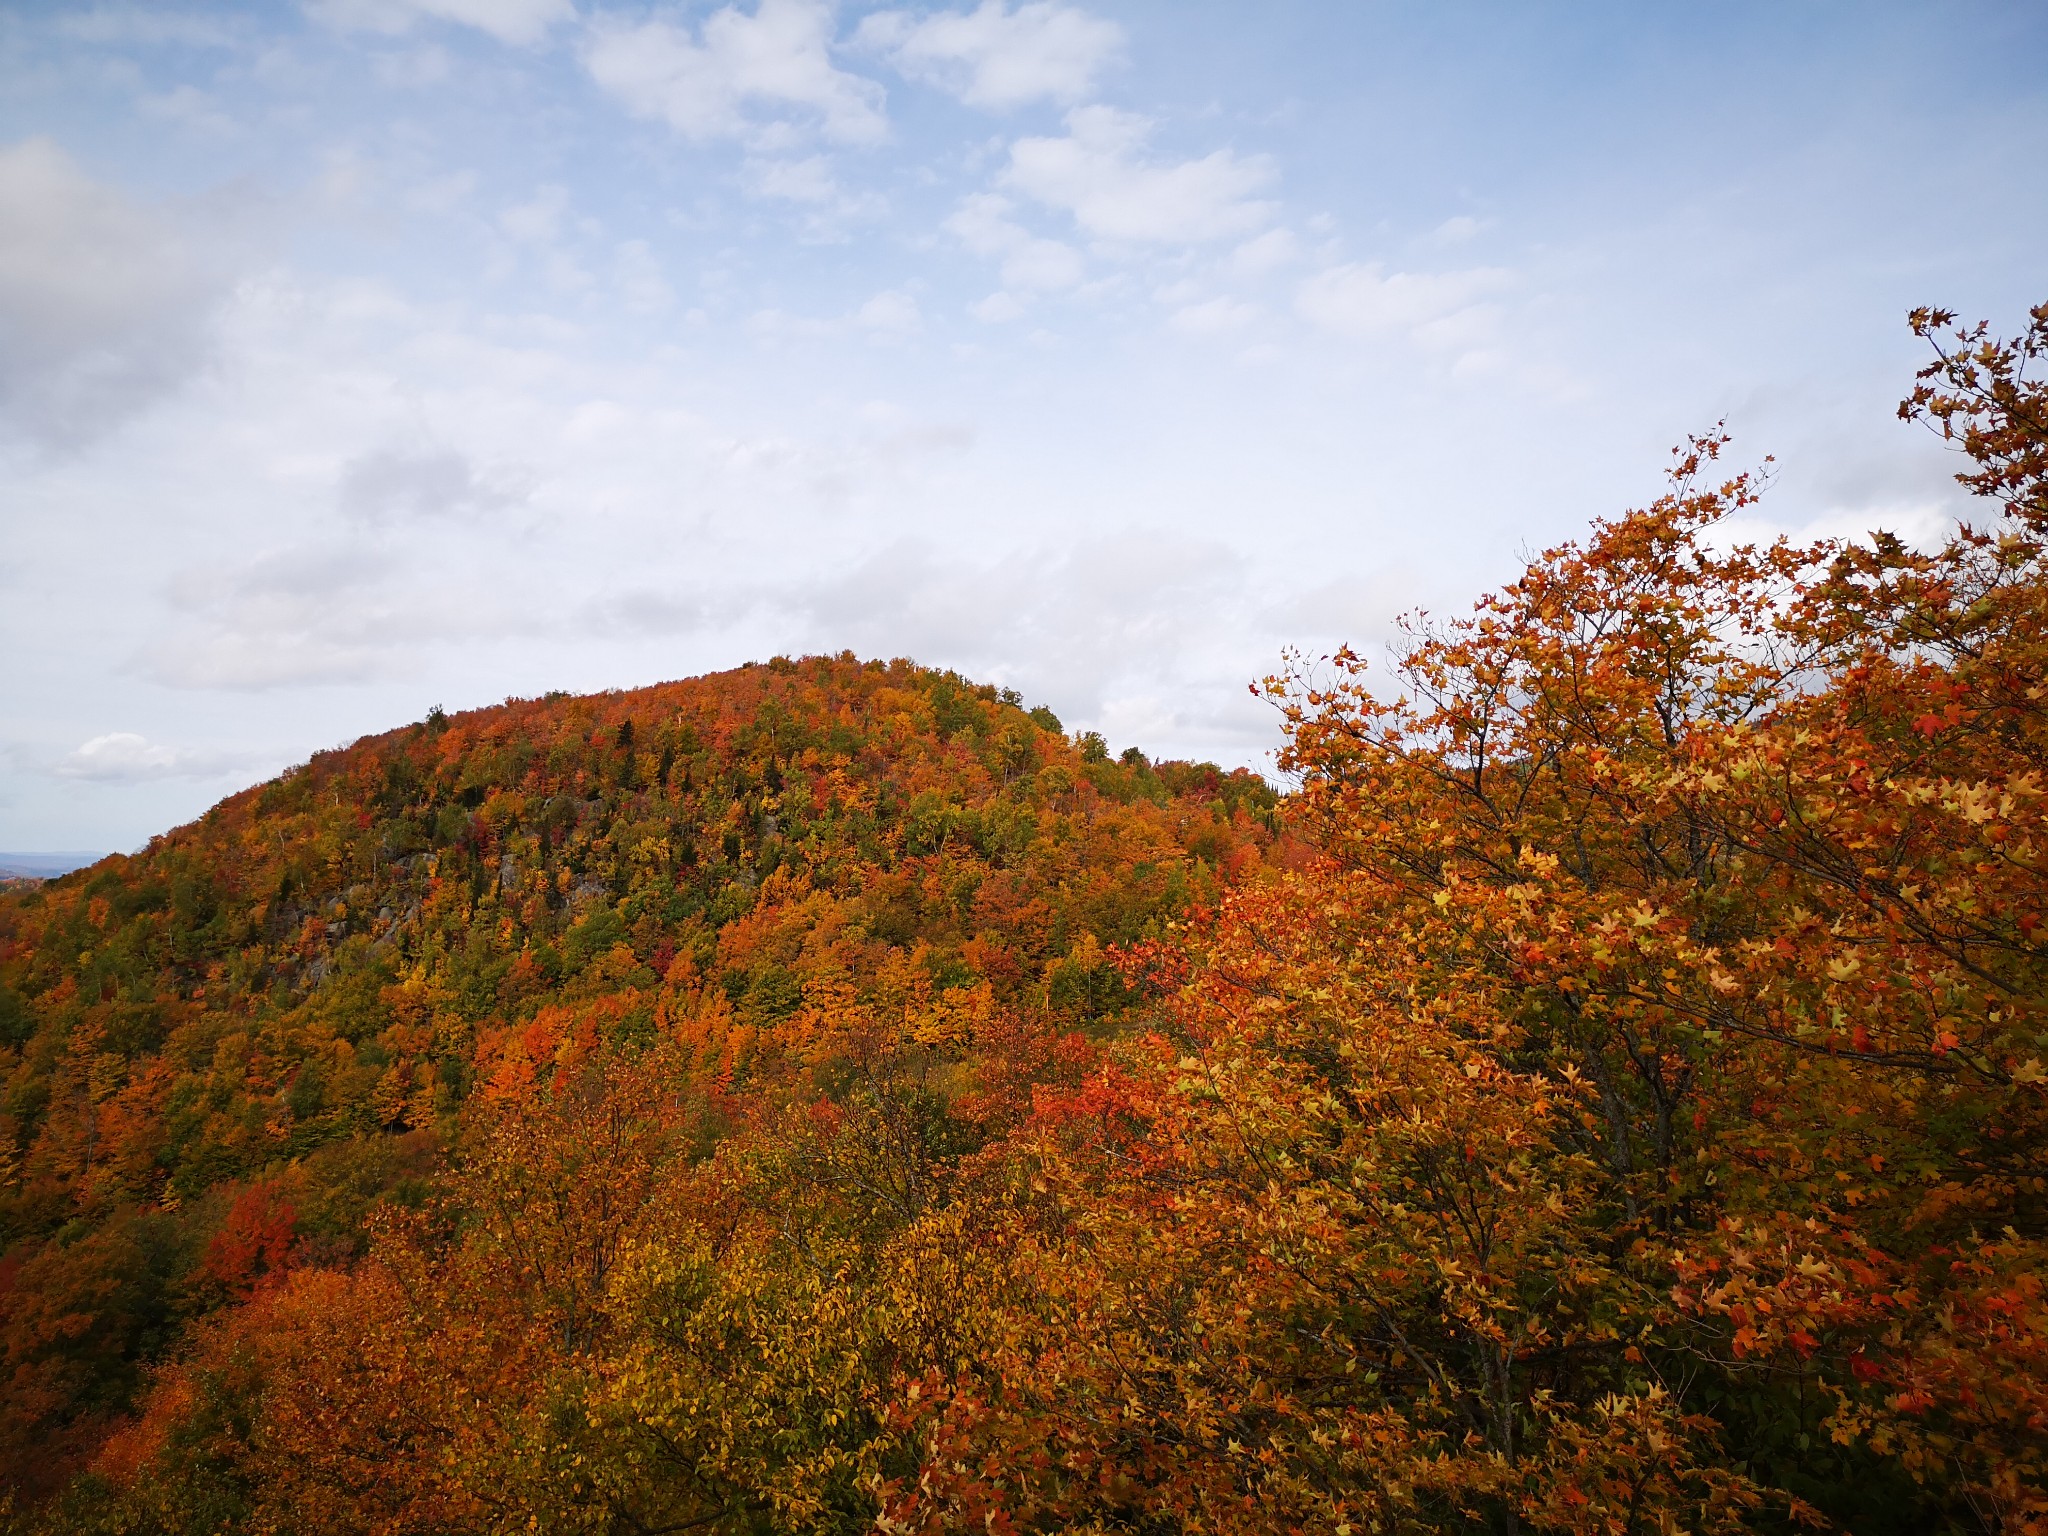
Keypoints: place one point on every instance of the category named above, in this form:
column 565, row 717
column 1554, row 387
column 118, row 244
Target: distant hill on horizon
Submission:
column 44, row 866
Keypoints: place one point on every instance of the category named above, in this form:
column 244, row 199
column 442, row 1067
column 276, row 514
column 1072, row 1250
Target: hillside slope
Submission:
column 300, row 991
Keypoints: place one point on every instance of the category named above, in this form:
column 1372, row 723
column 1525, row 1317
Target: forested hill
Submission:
column 223, row 1055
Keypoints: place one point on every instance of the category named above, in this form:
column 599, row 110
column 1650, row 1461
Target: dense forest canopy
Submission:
column 225, row 1054
column 1607, row 1094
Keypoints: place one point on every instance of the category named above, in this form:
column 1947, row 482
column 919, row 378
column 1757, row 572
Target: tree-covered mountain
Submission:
column 222, row 1055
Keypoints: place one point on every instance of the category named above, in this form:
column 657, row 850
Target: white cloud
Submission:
column 983, row 224
column 1043, row 265
column 1115, row 615
column 305, row 615
column 1263, row 253
column 440, row 196
column 808, row 180
column 643, row 611
column 122, row 757
column 345, row 189
column 703, row 87
column 104, row 305
column 998, row 58
column 188, row 107
column 519, row 22
column 328, row 613
column 539, row 226
column 426, row 480
column 1213, row 317
column 1359, row 608
column 890, row 313
column 997, row 309
column 1100, row 175
column 413, row 68
column 809, row 183
column 539, row 221
column 128, row 25
column 1366, row 300
column 119, row 755
column 638, row 277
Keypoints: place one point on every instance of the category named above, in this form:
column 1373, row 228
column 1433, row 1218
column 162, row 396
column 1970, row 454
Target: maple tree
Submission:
column 1638, row 1120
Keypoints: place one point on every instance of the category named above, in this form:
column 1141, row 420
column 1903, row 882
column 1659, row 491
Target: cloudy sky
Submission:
column 362, row 355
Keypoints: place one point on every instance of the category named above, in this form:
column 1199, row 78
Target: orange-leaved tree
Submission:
column 1637, row 1120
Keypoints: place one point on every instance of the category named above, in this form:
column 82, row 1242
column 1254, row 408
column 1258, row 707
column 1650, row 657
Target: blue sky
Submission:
column 361, row 355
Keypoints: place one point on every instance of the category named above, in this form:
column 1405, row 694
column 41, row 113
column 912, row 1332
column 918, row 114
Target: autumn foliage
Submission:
column 1606, row 1095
